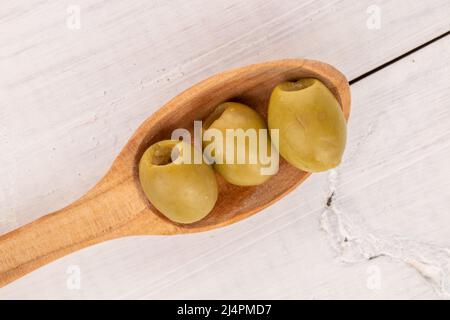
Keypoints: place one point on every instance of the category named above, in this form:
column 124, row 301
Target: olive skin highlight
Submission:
column 183, row 192
column 312, row 126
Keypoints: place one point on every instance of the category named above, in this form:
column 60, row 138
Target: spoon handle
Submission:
column 44, row 240
column 94, row 218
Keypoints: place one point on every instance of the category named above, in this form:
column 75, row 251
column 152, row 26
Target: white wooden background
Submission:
column 69, row 100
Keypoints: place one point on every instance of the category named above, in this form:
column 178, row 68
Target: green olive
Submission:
column 249, row 170
column 312, row 127
column 184, row 192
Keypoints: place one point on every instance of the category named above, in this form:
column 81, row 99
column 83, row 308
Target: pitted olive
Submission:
column 312, row 127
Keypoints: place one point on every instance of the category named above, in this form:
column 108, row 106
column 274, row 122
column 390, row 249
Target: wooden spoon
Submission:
column 116, row 206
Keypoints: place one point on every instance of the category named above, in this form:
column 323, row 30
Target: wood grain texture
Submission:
column 117, row 207
column 65, row 118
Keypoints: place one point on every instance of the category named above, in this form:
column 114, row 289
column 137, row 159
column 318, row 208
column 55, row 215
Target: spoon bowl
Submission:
column 117, row 207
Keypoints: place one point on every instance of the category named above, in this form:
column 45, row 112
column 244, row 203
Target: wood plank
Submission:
column 283, row 252
column 65, row 118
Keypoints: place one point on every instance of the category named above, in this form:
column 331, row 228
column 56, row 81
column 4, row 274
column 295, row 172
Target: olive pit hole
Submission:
column 163, row 155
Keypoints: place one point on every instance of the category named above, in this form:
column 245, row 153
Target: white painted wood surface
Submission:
column 71, row 98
